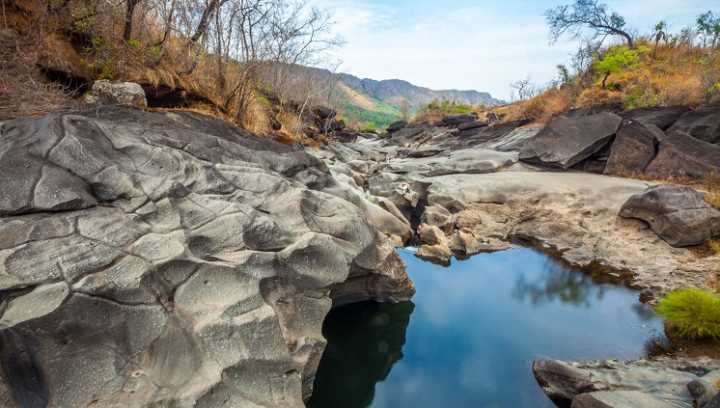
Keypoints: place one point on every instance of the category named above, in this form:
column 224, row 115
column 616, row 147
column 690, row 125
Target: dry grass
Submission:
column 672, row 74
column 24, row 91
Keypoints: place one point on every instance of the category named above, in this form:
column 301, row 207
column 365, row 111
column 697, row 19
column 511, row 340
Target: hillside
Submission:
column 371, row 103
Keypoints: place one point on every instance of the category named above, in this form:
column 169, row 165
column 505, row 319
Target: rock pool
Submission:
column 470, row 335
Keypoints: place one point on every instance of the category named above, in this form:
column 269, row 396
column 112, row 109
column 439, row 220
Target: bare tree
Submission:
column 587, row 15
column 129, row 13
column 524, row 88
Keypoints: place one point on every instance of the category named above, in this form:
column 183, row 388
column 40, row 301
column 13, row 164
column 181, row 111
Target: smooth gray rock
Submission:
column 678, row 215
column 565, row 142
column 616, row 384
column 170, row 259
column 117, row 93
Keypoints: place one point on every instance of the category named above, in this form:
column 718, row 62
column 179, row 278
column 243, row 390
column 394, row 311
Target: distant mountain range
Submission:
column 378, row 103
column 396, row 92
column 371, row 103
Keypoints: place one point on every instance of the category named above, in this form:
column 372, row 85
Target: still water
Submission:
column 470, row 334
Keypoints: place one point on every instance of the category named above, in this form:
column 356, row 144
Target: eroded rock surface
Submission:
column 614, row 384
column 165, row 259
column 679, row 215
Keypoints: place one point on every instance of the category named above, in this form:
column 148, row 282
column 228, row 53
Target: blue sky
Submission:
column 483, row 45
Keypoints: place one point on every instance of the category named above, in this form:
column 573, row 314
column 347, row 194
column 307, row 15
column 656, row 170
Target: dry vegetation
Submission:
column 210, row 56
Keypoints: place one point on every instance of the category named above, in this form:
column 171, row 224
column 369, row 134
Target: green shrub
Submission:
column 617, row 59
column 694, row 312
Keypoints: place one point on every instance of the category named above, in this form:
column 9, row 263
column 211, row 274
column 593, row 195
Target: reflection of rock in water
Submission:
column 558, row 283
column 364, row 342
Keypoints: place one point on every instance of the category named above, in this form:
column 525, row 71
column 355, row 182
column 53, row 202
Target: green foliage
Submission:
column 379, row 118
column 134, row 43
column 694, row 312
column 445, row 108
column 708, row 24
column 617, row 59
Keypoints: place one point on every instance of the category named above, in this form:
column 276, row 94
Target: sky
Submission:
column 462, row 44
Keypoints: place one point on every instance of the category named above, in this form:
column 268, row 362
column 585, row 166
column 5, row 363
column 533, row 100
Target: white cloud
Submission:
column 467, row 47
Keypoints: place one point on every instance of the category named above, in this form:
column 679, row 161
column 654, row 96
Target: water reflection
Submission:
column 475, row 329
column 554, row 282
column 364, row 342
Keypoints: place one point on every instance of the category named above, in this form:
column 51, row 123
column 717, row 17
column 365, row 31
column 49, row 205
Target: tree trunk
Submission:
column 205, row 20
column 604, row 81
column 127, row 32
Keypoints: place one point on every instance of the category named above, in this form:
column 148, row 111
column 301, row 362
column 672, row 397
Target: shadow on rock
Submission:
column 365, row 340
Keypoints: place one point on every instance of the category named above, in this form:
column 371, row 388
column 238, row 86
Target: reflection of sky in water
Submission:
column 474, row 331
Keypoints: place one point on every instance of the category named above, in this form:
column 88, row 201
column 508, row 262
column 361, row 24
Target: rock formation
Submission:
column 167, row 259
column 679, row 215
column 662, row 383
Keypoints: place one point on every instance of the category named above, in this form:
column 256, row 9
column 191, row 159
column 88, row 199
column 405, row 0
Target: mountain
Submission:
column 396, row 92
column 367, row 102
column 377, row 103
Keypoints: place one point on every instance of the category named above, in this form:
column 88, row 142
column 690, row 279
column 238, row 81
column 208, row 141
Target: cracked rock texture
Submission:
column 661, row 383
column 171, row 260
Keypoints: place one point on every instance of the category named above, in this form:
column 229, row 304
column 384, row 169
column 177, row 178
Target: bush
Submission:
column 617, row 59
column 695, row 313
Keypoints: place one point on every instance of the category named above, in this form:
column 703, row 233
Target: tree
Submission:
column 524, row 88
column 586, row 15
column 660, row 33
column 615, row 60
column 129, row 12
column 709, row 26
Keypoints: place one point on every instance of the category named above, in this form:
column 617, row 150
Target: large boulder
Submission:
column 166, row 259
column 457, row 120
column 702, row 124
column 567, row 141
column 662, row 117
column 633, row 148
column 679, row 215
column 614, row 384
column 117, row 93
column 395, row 126
column 683, row 156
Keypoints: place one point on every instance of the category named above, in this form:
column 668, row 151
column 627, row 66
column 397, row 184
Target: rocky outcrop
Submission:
column 642, row 384
column 566, row 142
column 683, row 156
column 118, row 93
column 395, row 126
column 165, row 259
column 679, row 215
column 702, row 124
column 634, row 148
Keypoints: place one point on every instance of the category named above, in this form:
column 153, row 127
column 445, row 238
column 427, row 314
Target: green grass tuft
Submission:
column 695, row 313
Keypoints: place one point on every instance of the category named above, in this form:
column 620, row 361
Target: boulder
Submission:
column 438, row 216
column 566, row 141
column 457, row 120
column 117, row 93
column 431, row 235
column 633, row 148
column 702, row 124
column 678, row 215
column 438, row 254
column 683, row 156
column 464, row 243
column 476, row 124
column 170, row 259
column 615, row 384
column 662, row 117
column 395, row 126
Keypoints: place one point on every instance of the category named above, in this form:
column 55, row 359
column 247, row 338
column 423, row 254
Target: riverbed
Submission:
column 470, row 334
